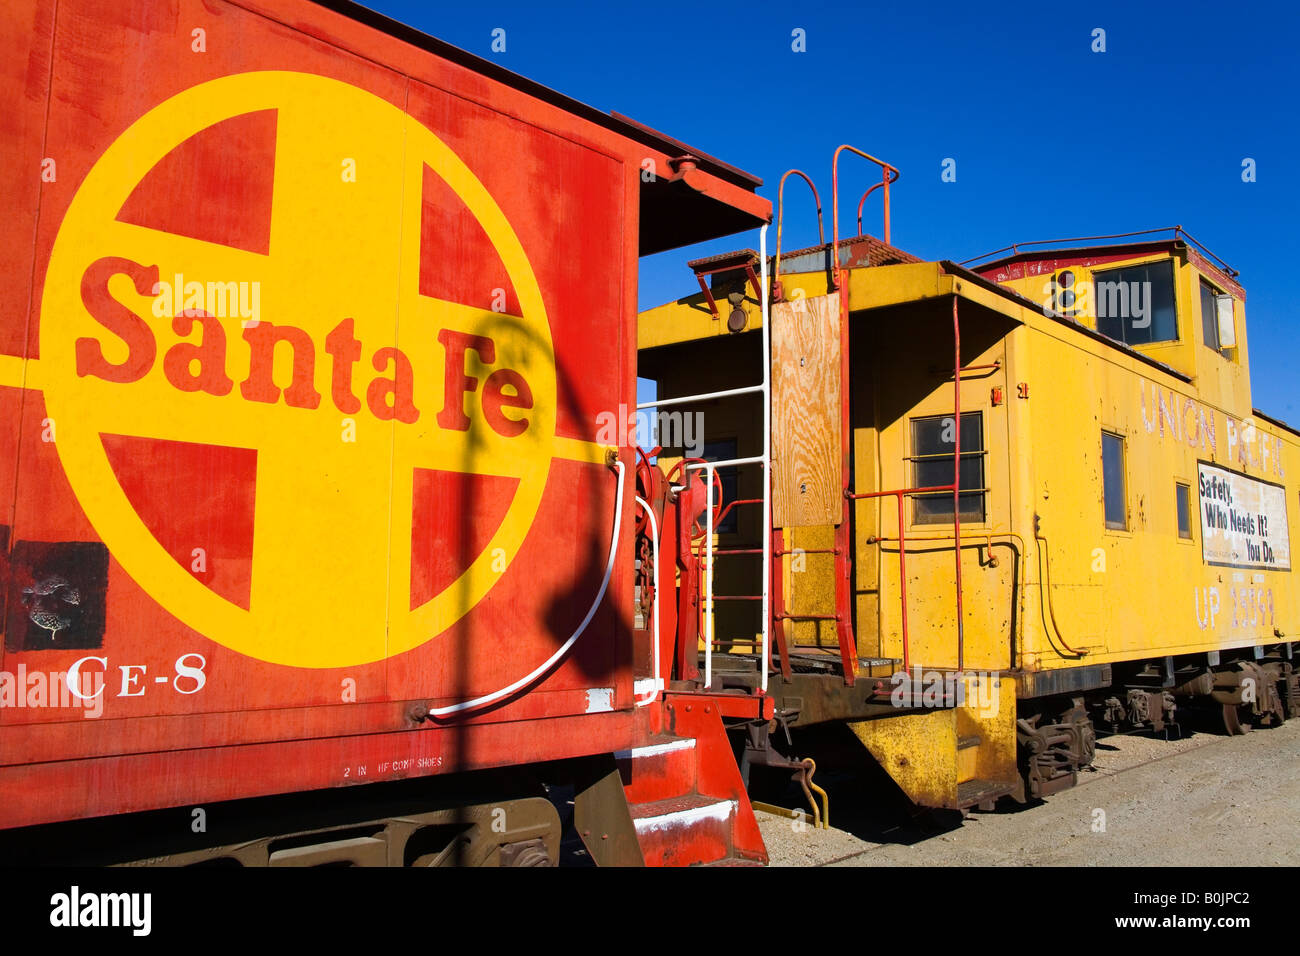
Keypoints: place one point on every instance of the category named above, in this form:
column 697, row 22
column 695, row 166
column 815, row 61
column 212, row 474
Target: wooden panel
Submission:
column 806, row 389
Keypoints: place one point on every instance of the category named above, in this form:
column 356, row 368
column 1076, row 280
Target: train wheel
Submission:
column 1289, row 691
column 1232, row 722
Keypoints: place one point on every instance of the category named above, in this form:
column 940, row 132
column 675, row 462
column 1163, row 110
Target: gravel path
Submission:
column 1202, row 800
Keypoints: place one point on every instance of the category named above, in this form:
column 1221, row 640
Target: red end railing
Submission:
column 778, row 611
column 701, row 561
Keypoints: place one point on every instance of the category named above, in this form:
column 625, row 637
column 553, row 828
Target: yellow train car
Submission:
column 1013, row 501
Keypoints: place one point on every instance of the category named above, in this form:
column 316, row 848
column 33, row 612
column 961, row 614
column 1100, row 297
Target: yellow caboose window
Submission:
column 1183, row 501
column 1112, row 481
column 1135, row 304
column 1217, row 320
column 934, row 441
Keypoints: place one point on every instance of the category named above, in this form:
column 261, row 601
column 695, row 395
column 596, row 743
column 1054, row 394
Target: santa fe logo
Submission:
column 346, row 380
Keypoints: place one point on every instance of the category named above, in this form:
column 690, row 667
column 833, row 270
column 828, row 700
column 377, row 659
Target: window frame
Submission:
column 1123, row 476
column 1212, row 319
column 1186, row 487
column 914, row 458
column 1226, row 351
column 1097, row 275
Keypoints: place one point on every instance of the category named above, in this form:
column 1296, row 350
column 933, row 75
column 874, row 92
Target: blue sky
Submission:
column 1050, row 139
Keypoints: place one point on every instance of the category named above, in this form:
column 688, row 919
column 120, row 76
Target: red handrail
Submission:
column 886, row 182
column 780, row 209
column 902, row 552
column 731, row 504
column 885, row 168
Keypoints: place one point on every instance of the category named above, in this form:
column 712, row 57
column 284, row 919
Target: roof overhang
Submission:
column 895, row 285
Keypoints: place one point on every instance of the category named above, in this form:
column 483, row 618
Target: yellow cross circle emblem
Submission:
column 331, row 557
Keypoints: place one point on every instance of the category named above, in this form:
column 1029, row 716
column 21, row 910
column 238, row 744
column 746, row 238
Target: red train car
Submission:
column 309, row 326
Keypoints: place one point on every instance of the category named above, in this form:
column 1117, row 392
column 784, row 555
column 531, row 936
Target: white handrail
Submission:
column 654, row 557
column 564, row 648
column 702, row 396
column 767, row 455
column 728, row 462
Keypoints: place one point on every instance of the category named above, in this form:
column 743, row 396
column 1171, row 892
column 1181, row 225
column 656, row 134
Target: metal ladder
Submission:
column 710, row 467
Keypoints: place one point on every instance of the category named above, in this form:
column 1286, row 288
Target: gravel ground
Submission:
column 1165, row 803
